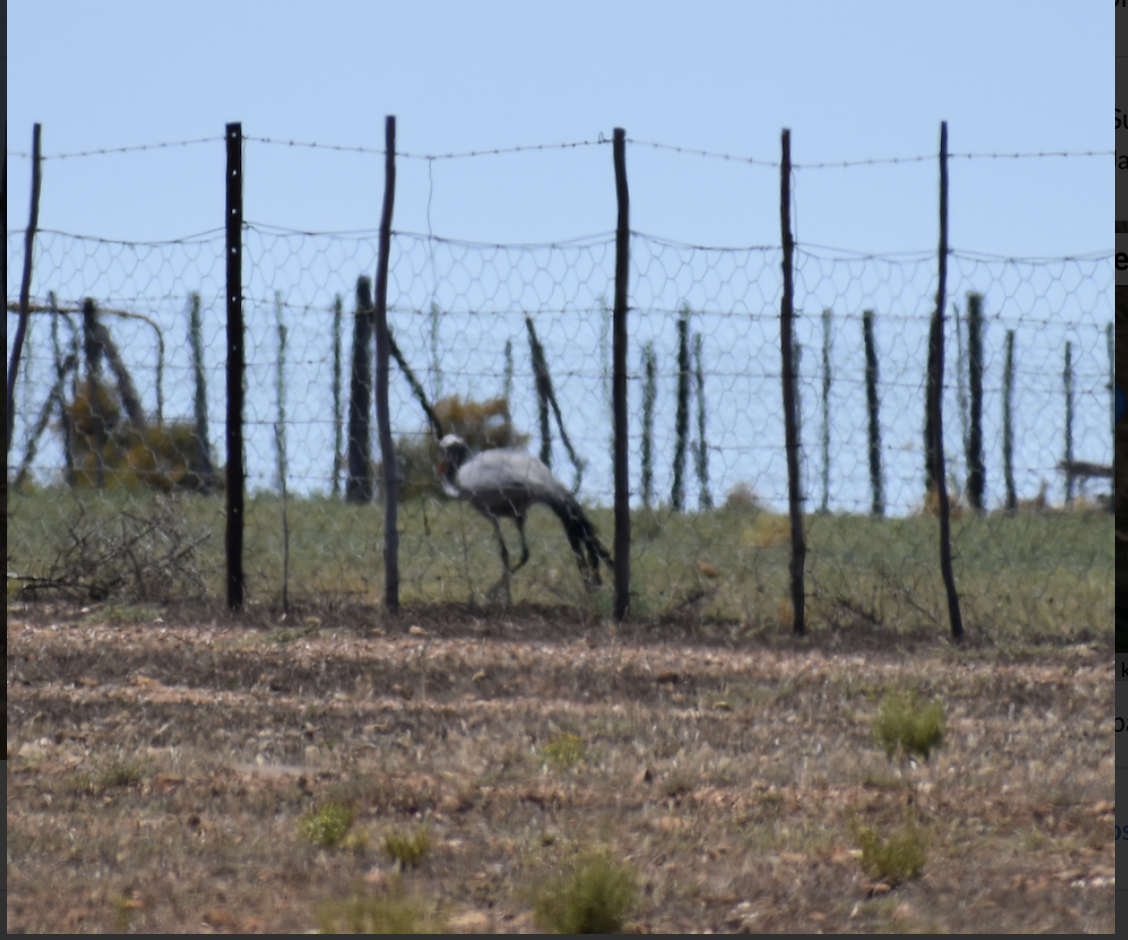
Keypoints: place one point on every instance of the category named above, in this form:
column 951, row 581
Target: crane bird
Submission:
column 505, row 483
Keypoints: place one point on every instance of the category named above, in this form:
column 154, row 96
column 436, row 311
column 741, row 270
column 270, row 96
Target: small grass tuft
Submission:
column 391, row 913
column 896, row 859
column 564, row 751
column 904, row 724
column 407, row 849
column 326, row 825
column 596, row 895
column 120, row 776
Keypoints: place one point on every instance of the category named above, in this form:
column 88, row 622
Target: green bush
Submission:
column 407, row 849
column 903, row 724
column 391, row 913
column 564, row 750
column 895, row 859
column 595, row 895
column 326, row 826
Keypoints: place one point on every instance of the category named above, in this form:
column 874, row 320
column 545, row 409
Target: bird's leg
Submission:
column 520, row 521
column 505, row 570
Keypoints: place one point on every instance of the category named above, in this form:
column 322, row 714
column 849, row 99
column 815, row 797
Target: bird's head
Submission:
column 452, row 453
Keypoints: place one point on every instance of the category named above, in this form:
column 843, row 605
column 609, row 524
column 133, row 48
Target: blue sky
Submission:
column 852, row 80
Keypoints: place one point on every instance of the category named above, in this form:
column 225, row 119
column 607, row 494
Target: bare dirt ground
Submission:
column 160, row 765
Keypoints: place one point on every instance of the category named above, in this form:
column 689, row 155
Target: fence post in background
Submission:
column 649, row 397
column 826, row 413
column 619, row 381
column 705, row 498
column 358, row 483
column 790, row 421
column 337, row 312
column 976, row 472
column 25, row 297
column 935, row 394
column 1067, row 376
column 383, row 421
column 544, row 391
column 236, row 365
column 199, row 381
column 681, row 421
column 1008, row 424
column 876, row 482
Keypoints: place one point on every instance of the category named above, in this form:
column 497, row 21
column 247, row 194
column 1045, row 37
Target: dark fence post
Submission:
column 876, row 482
column 358, row 483
column 383, row 421
column 337, row 310
column 25, row 298
column 791, row 423
column 681, row 421
column 199, row 380
column 649, row 397
column 1008, row 424
column 1067, row 376
column 619, row 381
column 826, row 413
column 976, row 471
column 936, row 390
column 544, row 391
column 705, row 498
column 236, row 364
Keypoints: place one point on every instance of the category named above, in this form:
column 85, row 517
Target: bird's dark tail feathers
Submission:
column 581, row 536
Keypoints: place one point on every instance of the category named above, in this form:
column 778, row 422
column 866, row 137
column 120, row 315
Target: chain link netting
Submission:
column 1028, row 376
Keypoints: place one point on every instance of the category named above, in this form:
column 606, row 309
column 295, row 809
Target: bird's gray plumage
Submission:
column 504, row 484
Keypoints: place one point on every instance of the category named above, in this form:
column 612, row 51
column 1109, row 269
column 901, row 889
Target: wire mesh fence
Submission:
column 115, row 469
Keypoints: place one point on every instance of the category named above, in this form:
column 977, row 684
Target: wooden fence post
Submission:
column 619, row 381
column 790, row 421
column 936, row 392
column 25, row 297
column 876, row 482
column 383, row 421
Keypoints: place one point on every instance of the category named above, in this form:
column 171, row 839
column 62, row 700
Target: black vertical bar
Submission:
column 876, row 482
column 1067, row 376
column 1008, row 424
column 936, row 386
column 790, row 421
column 681, row 421
column 337, row 310
column 358, row 483
column 619, row 381
column 976, row 471
column 236, row 365
column 383, row 421
column 25, row 296
column 826, row 412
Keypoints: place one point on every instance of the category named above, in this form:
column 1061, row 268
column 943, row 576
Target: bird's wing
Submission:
column 509, row 473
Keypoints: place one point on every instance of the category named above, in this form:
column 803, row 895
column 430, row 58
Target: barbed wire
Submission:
column 374, row 151
column 571, row 145
column 103, row 151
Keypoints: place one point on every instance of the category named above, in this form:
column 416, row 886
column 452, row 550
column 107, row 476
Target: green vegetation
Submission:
column 905, row 726
column 390, row 913
column 407, row 849
column 564, row 751
column 1025, row 577
column 326, row 826
column 595, row 894
column 895, row 859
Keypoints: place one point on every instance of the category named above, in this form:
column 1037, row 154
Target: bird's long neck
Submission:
column 448, row 472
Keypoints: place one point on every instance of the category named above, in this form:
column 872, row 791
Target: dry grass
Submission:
column 176, row 773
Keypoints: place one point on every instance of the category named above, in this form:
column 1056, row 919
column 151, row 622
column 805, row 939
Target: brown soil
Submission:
column 160, row 767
